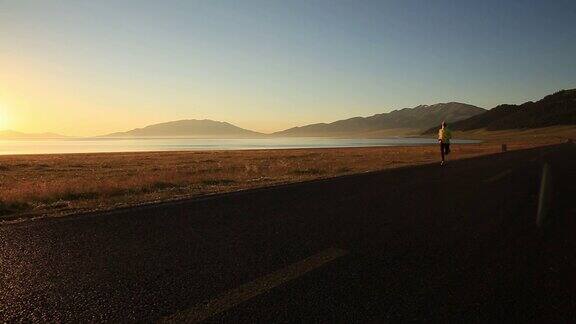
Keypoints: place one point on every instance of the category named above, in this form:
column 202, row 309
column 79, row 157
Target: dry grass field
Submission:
column 48, row 185
column 545, row 135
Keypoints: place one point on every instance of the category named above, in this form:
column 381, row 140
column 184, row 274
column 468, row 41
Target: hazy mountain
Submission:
column 397, row 122
column 10, row 134
column 555, row 109
column 189, row 128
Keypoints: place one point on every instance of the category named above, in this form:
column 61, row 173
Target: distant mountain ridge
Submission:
column 10, row 134
column 555, row 109
column 189, row 128
column 401, row 122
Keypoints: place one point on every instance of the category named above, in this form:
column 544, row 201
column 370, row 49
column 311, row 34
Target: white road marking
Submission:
column 544, row 196
column 252, row 289
column 498, row 176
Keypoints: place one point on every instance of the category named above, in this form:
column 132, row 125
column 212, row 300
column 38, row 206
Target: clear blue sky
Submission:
column 89, row 67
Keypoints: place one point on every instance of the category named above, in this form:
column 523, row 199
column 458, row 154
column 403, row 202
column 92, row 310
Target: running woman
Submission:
column 444, row 136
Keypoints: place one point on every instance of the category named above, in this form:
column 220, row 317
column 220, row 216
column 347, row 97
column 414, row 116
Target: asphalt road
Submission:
column 426, row 243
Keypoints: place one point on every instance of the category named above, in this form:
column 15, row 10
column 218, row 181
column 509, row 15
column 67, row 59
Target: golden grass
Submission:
column 68, row 183
column 545, row 135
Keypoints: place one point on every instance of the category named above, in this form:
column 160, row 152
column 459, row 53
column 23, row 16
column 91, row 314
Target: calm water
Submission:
column 94, row 145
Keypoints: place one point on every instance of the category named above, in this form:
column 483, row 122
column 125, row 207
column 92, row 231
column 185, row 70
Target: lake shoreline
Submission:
column 74, row 146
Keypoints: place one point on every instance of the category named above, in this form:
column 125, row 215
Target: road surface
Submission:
column 457, row 242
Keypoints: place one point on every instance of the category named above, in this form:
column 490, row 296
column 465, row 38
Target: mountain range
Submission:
column 407, row 121
column 555, row 109
column 189, row 128
column 399, row 122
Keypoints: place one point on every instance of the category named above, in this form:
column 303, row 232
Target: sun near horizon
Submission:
column 267, row 66
column 431, row 180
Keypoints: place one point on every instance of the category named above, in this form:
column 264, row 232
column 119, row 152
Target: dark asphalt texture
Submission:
column 426, row 243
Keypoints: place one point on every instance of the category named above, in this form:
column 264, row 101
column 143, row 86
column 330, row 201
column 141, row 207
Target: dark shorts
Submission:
column 444, row 149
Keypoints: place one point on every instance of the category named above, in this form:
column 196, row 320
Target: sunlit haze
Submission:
column 95, row 67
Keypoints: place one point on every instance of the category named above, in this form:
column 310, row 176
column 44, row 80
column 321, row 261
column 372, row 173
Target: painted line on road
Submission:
column 499, row 176
column 254, row 288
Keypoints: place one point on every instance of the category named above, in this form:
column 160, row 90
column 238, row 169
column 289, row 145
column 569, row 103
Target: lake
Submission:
column 98, row 145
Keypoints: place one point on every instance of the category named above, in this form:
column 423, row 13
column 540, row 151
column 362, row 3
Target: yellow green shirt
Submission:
column 444, row 134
